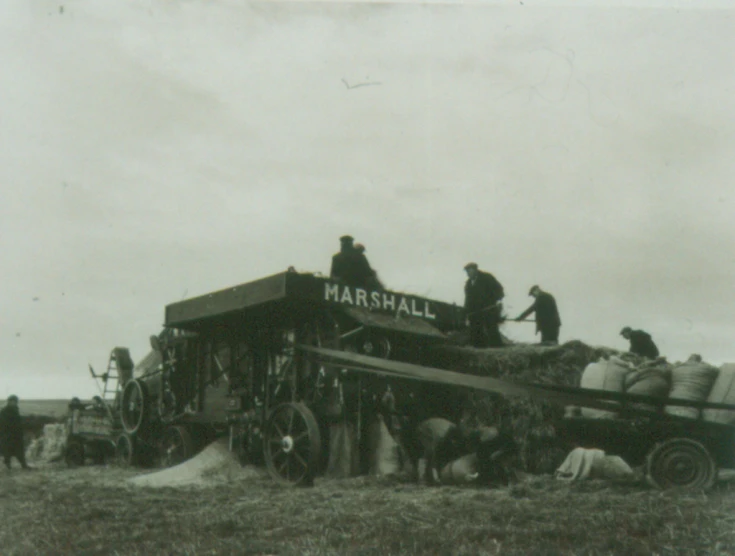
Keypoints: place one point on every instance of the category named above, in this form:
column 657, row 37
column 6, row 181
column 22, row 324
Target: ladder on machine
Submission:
column 119, row 372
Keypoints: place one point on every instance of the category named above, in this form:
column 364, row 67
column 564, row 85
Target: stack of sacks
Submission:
column 693, row 381
column 608, row 375
column 649, row 379
column 723, row 391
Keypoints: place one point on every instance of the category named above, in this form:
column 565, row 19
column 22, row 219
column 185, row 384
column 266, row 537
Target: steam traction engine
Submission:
column 232, row 365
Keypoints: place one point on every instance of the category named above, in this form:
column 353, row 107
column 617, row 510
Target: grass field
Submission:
column 91, row 511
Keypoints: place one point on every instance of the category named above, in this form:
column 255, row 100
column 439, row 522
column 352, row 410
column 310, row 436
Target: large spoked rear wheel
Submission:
column 176, row 446
column 292, row 444
column 680, row 463
column 135, row 406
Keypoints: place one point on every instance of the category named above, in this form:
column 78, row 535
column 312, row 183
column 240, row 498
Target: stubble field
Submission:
column 92, row 510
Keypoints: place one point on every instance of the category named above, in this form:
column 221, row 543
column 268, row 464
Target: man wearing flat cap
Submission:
column 351, row 267
column 548, row 321
column 482, row 297
column 641, row 342
column 11, row 433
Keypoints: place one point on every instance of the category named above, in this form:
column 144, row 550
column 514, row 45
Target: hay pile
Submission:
column 213, row 465
column 49, row 447
column 531, row 422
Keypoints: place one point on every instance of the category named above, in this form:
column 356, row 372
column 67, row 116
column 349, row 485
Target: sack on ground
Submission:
column 385, row 456
column 343, row 460
column 460, row 471
column 583, row 463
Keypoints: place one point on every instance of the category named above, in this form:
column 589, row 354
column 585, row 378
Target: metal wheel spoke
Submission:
column 300, row 437
column 278, row 430
column 301, row 460
column 290, row 421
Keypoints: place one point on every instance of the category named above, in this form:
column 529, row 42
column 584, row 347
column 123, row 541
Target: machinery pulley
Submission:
column 135, row 409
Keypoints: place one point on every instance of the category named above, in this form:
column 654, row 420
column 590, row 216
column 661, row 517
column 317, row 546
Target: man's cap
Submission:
column 625, row 330
column 533, row 288
column 13, row 398
column 359, row 247
column 344, row 239
column 470, row 265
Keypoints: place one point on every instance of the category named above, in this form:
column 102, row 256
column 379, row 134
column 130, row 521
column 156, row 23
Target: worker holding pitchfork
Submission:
column 482, row 303
column 548, row 321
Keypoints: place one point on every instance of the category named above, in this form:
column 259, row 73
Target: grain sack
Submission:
column 608, row 375
column 343, row 460
column 692, row 380
column 578, row 464
column 385, row 455
column 583, row 463
column 723, row 391
column 460, row 471
column 651, row 381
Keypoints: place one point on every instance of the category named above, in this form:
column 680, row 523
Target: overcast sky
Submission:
column 156, row 150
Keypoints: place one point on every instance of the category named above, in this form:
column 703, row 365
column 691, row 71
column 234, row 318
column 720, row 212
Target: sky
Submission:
column 156, row 150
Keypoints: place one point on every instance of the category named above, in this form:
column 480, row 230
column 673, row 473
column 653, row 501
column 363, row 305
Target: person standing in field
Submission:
column 548, row 321
column 11, row 434
column 482, row 296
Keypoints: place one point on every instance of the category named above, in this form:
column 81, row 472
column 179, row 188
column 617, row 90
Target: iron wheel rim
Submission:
column 292, row 444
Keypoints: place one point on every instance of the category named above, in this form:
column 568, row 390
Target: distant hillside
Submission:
column 45, row 408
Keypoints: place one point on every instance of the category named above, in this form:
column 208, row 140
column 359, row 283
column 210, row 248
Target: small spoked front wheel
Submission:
column 292, row 444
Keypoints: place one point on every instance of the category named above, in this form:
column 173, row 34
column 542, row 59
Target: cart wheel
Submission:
column 682, row 463
column 292, row 444
column 102, row 451
column 176, row 446
column 135, row 404
column 74, row 454
column 125, row 449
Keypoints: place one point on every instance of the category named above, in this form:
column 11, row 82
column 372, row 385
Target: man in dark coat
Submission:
column 11, row 433
column 548, row 321
column 351, row 267
column 641, row 342
column 372, row 282
column 482, row 296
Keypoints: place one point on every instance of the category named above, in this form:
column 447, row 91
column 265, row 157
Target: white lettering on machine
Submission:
column 385, row 302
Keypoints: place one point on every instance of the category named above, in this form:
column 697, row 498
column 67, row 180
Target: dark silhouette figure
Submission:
column 11, row 433
column 548, row 321
column 641, row 342
column 351, row 267
column 482, row 296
